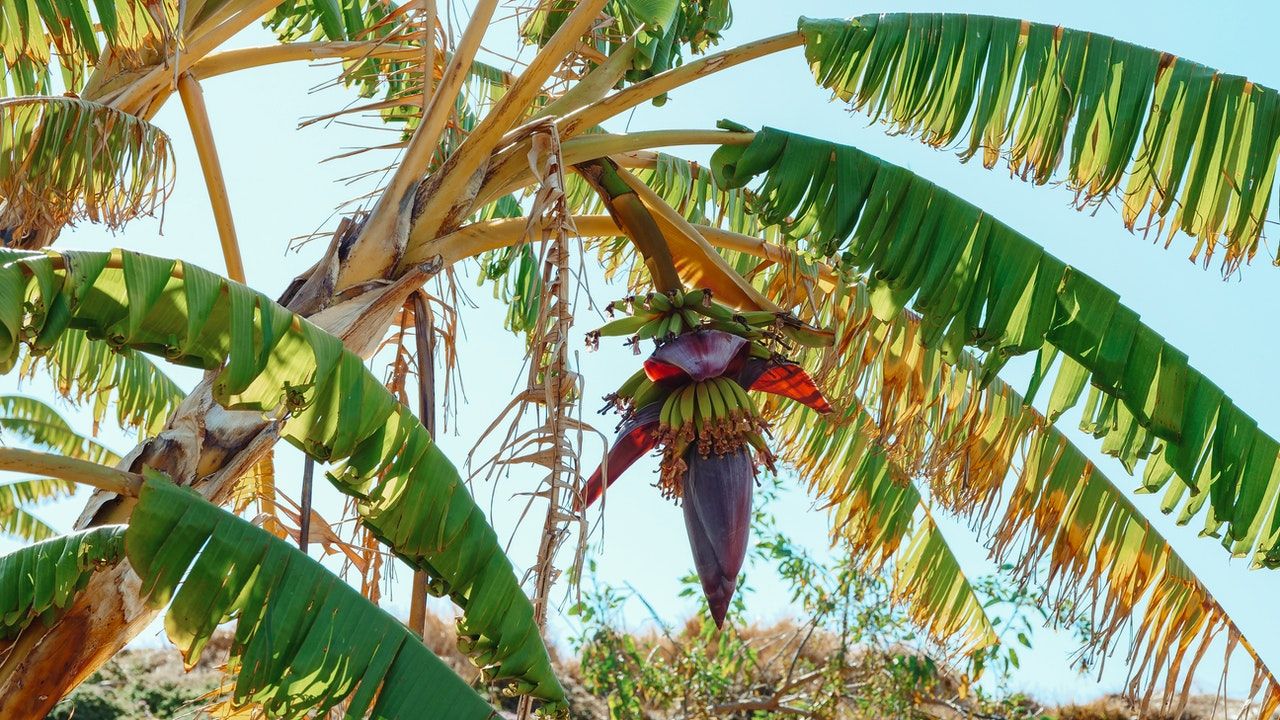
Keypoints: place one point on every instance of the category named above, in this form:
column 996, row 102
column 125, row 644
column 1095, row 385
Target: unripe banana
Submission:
column 668, row 409
column 748, row 404
column 690, row 317
column 648, row 393
column 676, row 325
column 623, row 326
column 718, row 407
column 677, row 298
column 715, row 311
column 757, row 318
column 651, row 328
column 659, row 302
column 687, row 400
column 703, row 393
column 632, row 384
column 664, row 327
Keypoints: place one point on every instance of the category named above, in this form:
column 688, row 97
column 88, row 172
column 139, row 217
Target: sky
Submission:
column 281, row 188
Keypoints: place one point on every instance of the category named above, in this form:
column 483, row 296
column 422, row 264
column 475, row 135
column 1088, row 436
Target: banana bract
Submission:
column 691, row 400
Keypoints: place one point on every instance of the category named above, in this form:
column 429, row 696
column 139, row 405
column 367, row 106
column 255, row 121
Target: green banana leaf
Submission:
column 907, row 413
column 305, row 641
column 1200, row 146
column 1061, row 517
column 40, row 581
column 41, row 425
column 16, row 499
column 975, row 281
column 38, row 424
column 270, row 360
column 85, row 370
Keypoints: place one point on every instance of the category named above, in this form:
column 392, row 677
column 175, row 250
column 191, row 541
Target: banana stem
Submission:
column 245, row 58
column 424, row 339
column 202, row 132
column 619, row 102
column 514, row 105
column 381, row 239
column 77, row 471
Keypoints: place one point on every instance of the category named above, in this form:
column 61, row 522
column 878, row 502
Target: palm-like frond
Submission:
column 940, row 422
column 23, row 524
column 40, row 581
column 41, row 425
column 305, row 641
column 85, row 370
column 65, row 159
column 1200, row 146
column 977, row 282
column 880, row 517
column 954, row 424
column 80, row 34
column 271, row 360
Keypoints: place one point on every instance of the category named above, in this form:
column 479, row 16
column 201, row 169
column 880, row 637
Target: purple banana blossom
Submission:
column 708, row 459
column 717, row 516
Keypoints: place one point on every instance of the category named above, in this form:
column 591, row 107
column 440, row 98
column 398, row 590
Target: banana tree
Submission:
column 805, row 306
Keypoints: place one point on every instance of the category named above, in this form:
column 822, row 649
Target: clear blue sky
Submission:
column 280, row 190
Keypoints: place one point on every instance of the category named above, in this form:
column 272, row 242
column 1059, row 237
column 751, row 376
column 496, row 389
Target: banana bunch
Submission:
column 717, row 414
column 634, row 393
column 660, row 316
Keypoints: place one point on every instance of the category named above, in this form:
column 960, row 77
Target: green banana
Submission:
column 714, row 311
column 695, row 298
column 703, row 393
column 687, row 400
column 677, row 324
column 650, row 329
column 719, row 408
column 745, row 403
column 627, row 325
column 668, row 409
column 648, row 393
column 629, row 387
column 757, row 318
column 659, row 302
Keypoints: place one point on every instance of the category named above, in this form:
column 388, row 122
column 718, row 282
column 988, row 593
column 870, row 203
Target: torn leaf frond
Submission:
column 1199, row 146
column 965, row 435
column 94, row 373
column 974, row 281
column 41, row 426
column 71, row 38
column 65, row 159
column 272, row 361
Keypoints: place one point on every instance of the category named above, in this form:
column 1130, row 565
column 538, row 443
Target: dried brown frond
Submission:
column 67, row 159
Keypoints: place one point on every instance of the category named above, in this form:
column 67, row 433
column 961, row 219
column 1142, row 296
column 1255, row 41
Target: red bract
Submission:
column 635, row 438
column 697, row 356
column 785, row 378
